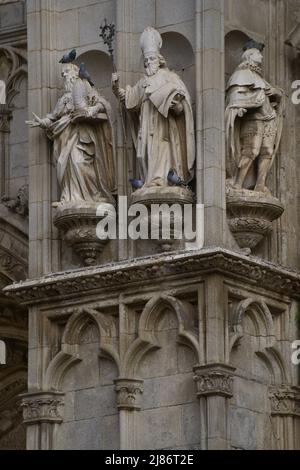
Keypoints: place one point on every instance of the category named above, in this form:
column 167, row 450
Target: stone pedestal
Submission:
column 173, row 351
column 78, row 224
column 169, row 197
column 250, row 215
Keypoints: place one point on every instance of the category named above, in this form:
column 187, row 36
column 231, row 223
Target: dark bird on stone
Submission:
column 136, row 184
column 174, row 179
column 68, row 57
column 84, row 74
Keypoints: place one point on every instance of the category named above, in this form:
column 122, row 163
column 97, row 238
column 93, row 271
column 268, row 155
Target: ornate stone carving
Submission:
column 81, row 128
column 250, row 216
column 20, row 204
column 161, row 117
column 285, row 401
column 166, row 195
column 258, row 272
column 214, row 379
column 5, row 118
column 129, row 392
column 42, row 407
column 79, row 227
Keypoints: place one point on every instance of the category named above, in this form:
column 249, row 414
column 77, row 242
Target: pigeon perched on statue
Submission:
column 174, row 179
column 136, row 184
column 84, row 74
column 69, row 57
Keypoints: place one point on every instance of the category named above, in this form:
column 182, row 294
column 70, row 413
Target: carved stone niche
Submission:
column 250, row 215
column 78, row 224
column 170, row 195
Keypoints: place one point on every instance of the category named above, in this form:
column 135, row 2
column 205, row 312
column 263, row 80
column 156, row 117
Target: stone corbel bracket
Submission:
column 42, row 407
column 214, row 380
column 129, row 393
column 285, row 401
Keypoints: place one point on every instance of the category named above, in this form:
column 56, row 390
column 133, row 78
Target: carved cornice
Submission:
column 285, row 401
column 129, row 392
column 141, row 271
column 42, row 407
column 214, row 380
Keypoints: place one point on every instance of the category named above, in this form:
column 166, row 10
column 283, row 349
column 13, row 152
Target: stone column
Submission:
column 5, row 117
column 129, row 392
column 125, row 54
column 42, row 96
column 41, row 413
column 285, row 412
column 214, row 388
column 210, row 137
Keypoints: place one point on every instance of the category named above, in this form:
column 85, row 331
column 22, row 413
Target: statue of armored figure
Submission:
column 161, row 118
column 254, row 120
column 80, row 127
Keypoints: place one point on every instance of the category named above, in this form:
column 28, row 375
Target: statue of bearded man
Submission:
column 80, row 127
column 161, row 117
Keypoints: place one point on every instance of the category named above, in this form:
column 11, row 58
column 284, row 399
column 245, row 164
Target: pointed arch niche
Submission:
column 170, row 414
column 85, row 370
column 259, row 366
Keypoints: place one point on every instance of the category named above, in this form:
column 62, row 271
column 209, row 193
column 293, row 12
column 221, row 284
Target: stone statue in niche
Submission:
column 81, row 130
column 161, row 118
column 254, row 121
column 80, row 127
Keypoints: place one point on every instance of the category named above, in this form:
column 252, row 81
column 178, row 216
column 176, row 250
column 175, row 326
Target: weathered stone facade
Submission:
column 189, row 349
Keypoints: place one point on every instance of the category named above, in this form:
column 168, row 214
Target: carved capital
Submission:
column 129, row 392
column 5, row 118
column 285, row 401
column 214, row 380
column 42, row 407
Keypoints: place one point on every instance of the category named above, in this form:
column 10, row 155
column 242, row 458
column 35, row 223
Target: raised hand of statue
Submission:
column 115, row 79
column 36, row 122
column 119, row 92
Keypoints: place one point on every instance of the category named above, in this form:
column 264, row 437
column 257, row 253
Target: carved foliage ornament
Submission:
column 285, row 401
column 44, row 407
column 277, row 279
column 129, row 392
column 214, row 379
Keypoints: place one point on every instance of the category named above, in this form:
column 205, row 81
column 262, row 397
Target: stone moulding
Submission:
column 250, row 216
column 141, row 271
column 42, row 407
column 214, row 380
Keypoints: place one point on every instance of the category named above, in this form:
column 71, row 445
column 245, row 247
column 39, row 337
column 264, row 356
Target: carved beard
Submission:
column 69, row 82
column 151, row 69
